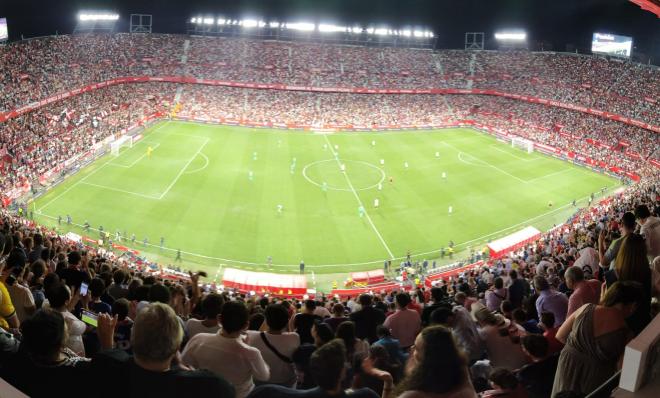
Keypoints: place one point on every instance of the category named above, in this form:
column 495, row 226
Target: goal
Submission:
column 517, row 142
column 124, row 140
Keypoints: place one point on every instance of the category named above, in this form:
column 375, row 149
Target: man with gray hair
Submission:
column 154, row 368
column 584, row 291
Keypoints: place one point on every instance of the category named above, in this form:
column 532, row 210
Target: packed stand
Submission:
column 38, row 68
column 35, row 69
column 614, row 143
column 306, row 108
column 41, row 141
column 549, row 320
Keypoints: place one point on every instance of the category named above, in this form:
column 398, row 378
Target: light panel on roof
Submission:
column 98, row 17
column 511, row 36
column 303, row 26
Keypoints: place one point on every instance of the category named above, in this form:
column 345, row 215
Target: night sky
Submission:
column 556, row 23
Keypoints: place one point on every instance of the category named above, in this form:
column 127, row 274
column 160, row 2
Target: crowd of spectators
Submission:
column 32, row 70
column 41, row 141
column 614, row 143
column 549, row 319
column 35, row 69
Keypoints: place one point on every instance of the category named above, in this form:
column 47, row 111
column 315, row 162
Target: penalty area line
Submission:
column 184, row 169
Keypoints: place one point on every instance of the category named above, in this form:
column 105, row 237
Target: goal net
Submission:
column 527, row 145
column 123, row 141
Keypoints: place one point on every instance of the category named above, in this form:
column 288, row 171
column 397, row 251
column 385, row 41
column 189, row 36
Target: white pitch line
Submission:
column 184, row 169
column 491, row 165
column 496, row 147
column 227, row 260
column 120, row 190
column 549, row 175
column 357, row 197
column 206, row 164
column 82, row 180
column 90, row 174
column 134, row 162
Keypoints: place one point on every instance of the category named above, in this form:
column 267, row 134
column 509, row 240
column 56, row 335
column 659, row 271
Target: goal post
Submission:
column 123, row 141
column 521, row 143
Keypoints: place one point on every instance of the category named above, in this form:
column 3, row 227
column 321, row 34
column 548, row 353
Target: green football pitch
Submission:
column 214, row 191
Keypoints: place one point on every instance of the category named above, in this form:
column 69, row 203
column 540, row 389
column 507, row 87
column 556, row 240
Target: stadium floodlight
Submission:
column 356, row 29
column 98, row 17
column 209, row 21
column 249, row 23
column 511, row 36
column 328, row 28
column 370, row 31
column 418, row 33
column 302, row 26
column 381, row 31
column 221, row 21
column 406, row 33
column 274, row 25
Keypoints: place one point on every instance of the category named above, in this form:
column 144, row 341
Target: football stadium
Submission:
column 330, row 199
column 390, row 192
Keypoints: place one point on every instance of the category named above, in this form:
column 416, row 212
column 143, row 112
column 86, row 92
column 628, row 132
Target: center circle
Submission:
column 362, row 175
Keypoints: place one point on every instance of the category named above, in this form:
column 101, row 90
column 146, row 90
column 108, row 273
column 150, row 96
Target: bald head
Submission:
column 573, row 276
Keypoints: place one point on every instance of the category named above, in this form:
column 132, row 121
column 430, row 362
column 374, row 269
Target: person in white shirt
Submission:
column 588, row 258
column 276, row 345
column 496, row 333
column 211, row 306
column 321, row 310
column 226, row 353
column 542, row 267
column 60, row 300
column 352, row 305
column 650, row 228
column 20, row 295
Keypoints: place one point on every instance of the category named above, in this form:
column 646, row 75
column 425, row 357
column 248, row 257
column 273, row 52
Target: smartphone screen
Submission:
column 83, row 289
column 90, row 318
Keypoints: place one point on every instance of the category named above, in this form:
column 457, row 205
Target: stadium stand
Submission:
column 140, row 340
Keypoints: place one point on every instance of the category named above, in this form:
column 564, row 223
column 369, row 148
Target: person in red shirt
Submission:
column 415, row 306
column 404, row 323
column 549, row 332
column 584, row 291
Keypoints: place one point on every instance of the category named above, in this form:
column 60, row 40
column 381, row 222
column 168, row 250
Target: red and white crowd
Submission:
column 35, row 69
column 39, row 141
